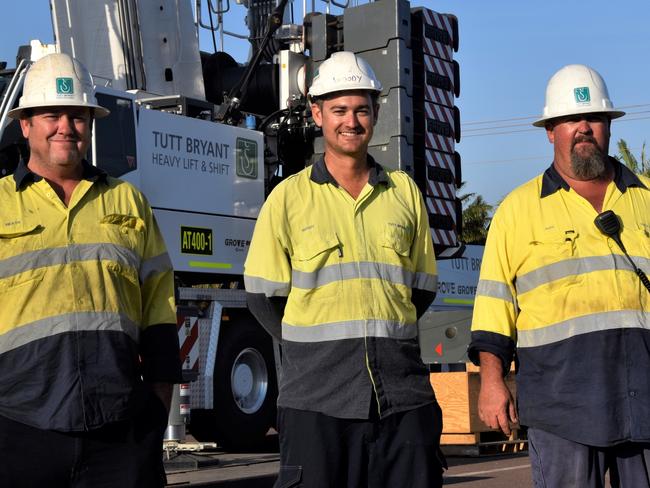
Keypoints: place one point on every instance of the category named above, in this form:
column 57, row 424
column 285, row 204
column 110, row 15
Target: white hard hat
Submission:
column 576, row 89
column 58, row 80
column 343, row 71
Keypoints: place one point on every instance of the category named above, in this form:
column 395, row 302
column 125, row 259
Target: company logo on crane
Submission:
column 246, row 158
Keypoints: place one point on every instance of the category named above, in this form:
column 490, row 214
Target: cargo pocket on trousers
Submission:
column 289, row 477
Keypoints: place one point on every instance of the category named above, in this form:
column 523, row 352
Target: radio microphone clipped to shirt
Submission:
column 608, row 223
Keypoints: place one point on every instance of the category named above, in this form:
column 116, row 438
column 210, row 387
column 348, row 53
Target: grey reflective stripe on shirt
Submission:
column 157, row 264
column 425, row 281
column 619, row 319
column 495, row 289
column 575, row 267
column 351, row 329
column 348, row 271
column 65, row 255
column 69, row 322
column 254, row 284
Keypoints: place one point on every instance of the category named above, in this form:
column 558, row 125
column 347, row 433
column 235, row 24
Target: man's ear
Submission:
column 376, row 109
column 317, row 114
column 25, row 125
column 549, row 133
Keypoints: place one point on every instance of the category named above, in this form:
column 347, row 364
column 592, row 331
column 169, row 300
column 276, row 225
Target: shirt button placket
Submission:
column 361, row 257
column 73, row 259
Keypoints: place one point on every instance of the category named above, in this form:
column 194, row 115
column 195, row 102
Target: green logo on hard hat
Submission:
column 582, row 95
column 64, row 86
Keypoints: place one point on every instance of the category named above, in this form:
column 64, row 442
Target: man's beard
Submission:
column 590, row 166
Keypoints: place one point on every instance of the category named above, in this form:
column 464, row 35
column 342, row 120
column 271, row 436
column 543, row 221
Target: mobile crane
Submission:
column 206, row 139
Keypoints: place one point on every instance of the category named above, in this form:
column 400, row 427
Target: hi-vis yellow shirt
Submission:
column 553, row 286
column 79, row 285
column 348, row 268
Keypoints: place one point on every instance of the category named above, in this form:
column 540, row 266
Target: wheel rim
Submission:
column 249, row 380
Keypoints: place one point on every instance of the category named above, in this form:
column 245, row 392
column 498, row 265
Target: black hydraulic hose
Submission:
column 238, row 91
column 214, row 39
column 274, row 22
column 266, row 120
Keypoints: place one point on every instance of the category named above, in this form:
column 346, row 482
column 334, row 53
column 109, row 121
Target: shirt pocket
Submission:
column 127, row 234
column 397, row 268
column 557, row 265
column 637, row 243
column 317, row 267
column 125, row 230
column 20, row 261
column 396, row 245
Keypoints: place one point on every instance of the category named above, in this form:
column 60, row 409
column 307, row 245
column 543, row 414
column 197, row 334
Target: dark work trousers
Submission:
column 402, row 450
column 121, row 455
column 559, row 463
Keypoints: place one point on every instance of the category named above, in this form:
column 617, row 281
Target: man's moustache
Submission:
column 584, row 139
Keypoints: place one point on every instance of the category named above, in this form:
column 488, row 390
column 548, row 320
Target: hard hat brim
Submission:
column 322, row 93
column 98, row 111
column 612, row 114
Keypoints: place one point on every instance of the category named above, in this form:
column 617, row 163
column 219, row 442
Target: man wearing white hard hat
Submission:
column 340, row 267
column 563, row 288
column 88, row 342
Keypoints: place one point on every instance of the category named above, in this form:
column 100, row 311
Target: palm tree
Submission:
column 476, row 218
column 626, row 157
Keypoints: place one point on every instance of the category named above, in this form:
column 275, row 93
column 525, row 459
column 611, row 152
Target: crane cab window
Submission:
column 115, row 145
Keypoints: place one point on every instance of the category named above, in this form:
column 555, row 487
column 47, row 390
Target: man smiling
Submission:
column 340, row 267
column 88, row 342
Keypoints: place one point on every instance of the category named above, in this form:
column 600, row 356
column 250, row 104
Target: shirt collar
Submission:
column 624, row 178
column 320, row 174
column 23, row 175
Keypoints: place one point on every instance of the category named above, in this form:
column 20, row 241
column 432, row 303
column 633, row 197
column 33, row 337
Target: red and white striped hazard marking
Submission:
column 431, row 46
column 438, row 189
column 444, row 237
column 441, row 68
column 437, row 206
column 435, row 136
column 439, row 143
column 188, row 335
column 440, row 160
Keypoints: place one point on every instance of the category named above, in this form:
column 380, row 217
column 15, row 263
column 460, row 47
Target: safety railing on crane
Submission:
column 219, row 9
column 12, row 92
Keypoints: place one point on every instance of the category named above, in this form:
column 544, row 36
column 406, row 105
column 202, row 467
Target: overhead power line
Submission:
column 498, row 121
column 496, row 130
column 522, row 158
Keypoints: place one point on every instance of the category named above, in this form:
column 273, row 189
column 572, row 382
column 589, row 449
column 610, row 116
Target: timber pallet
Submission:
column 484, row 443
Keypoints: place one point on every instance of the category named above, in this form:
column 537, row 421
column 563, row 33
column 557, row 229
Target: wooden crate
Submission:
column 457, row 394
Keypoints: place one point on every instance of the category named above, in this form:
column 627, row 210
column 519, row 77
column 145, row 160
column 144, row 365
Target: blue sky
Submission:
column 508, row 51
